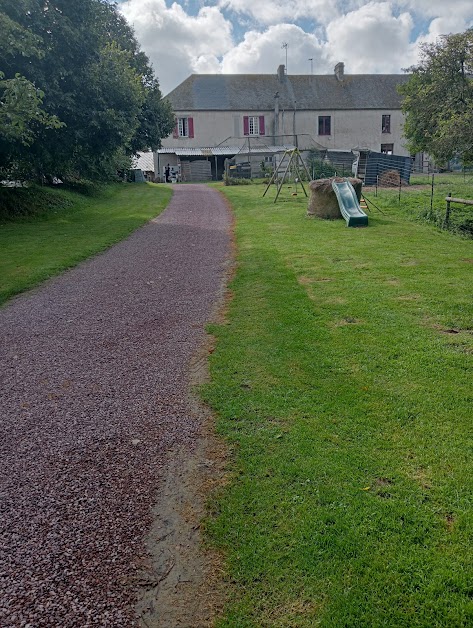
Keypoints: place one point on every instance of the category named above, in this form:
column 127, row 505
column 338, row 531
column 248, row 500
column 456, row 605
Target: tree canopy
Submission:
column 438, row 99
column 77, row 95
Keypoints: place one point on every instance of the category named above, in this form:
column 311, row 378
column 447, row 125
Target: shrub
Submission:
column 227, row 180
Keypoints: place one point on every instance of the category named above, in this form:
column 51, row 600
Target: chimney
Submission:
column 281, row 73
column 340, row 71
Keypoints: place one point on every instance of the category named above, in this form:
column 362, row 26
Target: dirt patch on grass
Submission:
column 181, row 584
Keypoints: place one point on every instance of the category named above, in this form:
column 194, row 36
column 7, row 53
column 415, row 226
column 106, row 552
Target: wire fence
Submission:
column 390, row 182
column 416, row 185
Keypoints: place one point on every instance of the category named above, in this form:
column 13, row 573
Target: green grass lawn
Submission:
column 418, row 201
column 70, row 228
column 342, row 381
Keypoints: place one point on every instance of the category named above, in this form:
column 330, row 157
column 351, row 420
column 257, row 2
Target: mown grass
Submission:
column 342, row 381
column 64, row 228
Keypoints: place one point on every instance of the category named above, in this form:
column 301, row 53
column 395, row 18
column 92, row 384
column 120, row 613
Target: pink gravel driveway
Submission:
column 93, row 393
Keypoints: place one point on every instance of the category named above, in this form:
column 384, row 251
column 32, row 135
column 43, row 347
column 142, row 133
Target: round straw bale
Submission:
column 323, row 202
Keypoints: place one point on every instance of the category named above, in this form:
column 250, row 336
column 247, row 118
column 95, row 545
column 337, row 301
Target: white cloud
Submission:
column 368, row 36
column 371, row 39
column 443, row 26
column 263, row 52
column 176, row 43
column 275, row 11
column 439, row 8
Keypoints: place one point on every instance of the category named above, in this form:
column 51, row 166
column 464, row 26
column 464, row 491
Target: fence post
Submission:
column 432, row 197
column 447, row 213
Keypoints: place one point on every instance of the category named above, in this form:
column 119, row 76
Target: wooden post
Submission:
column 432, row 197
column 447, row 213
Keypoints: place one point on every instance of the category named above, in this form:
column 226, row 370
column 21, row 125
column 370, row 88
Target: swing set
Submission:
column 292, row 172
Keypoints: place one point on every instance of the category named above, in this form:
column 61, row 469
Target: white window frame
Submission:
column 183, row 127
column 253, row 125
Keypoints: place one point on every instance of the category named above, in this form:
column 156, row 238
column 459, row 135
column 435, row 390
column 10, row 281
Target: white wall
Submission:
column 349, row 129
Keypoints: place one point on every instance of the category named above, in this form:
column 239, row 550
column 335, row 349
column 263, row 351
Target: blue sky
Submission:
column 246, row 36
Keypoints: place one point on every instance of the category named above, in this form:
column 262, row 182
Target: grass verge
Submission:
column 56, row 229
column 424, row 200
column 342, row 381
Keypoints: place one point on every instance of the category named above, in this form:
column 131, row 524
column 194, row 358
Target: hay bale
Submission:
column 390, row 179
column 323, row 202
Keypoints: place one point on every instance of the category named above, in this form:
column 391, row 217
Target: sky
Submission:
column 254, row 36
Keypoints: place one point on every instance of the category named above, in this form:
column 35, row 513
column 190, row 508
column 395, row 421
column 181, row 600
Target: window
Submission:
column 253, row 125
column 387, row 149
column 324, row 125
column 184, row 127
column 386, row 123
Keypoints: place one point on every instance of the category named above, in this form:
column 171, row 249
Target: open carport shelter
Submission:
column 205, row 164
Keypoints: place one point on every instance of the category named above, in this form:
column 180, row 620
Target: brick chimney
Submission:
column 340, row 71
column 281, row 73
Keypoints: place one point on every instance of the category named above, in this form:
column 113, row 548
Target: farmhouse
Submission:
column 251, row 118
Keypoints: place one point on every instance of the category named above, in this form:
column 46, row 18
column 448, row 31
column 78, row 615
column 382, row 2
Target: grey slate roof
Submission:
column 256, row 92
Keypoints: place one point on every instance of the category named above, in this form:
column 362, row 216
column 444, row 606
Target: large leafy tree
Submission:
column 98, row 99
column 438, row 99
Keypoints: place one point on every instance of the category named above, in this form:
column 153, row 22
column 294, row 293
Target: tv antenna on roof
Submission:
column 285, row 45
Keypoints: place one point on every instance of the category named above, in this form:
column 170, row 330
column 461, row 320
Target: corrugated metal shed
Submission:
column 144, row 162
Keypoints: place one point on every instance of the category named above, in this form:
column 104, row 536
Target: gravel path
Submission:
column 93, row 393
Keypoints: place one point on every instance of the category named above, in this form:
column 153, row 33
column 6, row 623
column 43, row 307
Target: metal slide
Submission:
column 349, row 205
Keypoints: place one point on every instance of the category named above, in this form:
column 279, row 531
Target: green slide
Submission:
column 349, row 205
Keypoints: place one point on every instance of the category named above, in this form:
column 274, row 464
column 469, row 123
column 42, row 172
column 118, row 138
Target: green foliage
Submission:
column 30, row 201
column 266, row 169
column 438, row 99
column 90, row 75
column 20, row 111
column 155, row 120
column 319, row 168
column 14, row 38
column 228, row 180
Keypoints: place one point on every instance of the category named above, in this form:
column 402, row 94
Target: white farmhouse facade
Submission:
column 253, row 116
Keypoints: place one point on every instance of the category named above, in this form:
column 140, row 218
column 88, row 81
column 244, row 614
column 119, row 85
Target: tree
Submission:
column 96, row 88
column 438, row 99
column 20, row 111
column 21, row 116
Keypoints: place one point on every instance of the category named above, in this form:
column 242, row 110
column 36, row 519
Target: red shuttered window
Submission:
column 253, row 125
column 184, row 127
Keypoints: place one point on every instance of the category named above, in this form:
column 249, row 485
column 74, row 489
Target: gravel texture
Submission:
column 93, row 394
